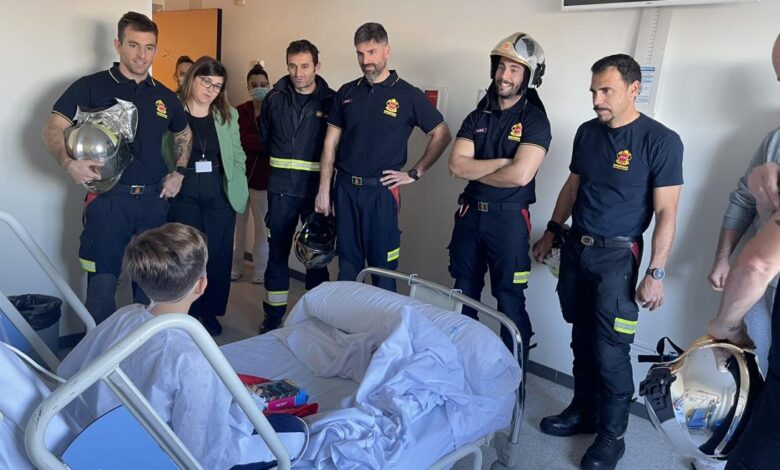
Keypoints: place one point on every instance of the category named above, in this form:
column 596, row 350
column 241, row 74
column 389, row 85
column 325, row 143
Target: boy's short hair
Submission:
column 167, row 261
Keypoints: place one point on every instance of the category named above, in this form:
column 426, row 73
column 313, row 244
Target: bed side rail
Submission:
column 51, row 272
column 456, row 296
column 106, row 368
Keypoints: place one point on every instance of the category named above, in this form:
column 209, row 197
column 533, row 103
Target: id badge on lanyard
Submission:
column 203, row 165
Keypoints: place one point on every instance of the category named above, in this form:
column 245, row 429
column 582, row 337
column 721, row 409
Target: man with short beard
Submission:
column 498, row 150
column 625, row 167
column 368, row 130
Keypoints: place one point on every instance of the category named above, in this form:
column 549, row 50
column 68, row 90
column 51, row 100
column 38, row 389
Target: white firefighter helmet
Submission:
column 521, row 48
column 701, row 400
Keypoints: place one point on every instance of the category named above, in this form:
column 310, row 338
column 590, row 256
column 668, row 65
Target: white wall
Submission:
column 718, row 92
column 48, row 44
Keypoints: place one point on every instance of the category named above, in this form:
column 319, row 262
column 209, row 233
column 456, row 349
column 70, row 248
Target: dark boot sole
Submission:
column 597, row 465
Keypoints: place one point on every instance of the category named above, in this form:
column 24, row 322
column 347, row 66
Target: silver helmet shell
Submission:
column 104, row 136
column 315, row 242
column 701, row 401
column 521, row 48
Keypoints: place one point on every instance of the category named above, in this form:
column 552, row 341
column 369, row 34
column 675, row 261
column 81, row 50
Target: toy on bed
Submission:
column 279, row 396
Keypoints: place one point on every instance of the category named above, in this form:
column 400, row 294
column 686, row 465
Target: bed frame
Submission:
column 506, row 445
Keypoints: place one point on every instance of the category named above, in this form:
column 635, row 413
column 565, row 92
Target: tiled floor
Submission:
column 645, row 447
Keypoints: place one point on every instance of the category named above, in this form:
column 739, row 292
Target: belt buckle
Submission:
column 136, row 189
column 482, row 206
column 357, row 180
column 587, row 240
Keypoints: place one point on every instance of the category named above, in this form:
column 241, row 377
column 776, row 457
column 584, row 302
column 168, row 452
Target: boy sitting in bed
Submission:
column 169, row 264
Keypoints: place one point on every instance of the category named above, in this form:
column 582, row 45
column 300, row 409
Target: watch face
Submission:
column 659, row 273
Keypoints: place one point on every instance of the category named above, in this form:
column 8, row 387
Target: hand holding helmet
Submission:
column 315, row 242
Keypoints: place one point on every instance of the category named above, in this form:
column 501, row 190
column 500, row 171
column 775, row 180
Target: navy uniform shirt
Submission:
column 618, row 170
column 498, row 134
column 158, row 110
column 376, row 121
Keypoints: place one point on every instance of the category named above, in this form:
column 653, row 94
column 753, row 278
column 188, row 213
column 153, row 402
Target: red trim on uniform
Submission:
column 636, row 253
column 87, row 201
column 397, row 196
column 527, row 217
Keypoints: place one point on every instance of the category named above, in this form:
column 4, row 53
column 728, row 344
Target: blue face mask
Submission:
column 258, row 94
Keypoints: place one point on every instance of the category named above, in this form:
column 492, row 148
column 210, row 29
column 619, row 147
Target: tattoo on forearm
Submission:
column 182, row 147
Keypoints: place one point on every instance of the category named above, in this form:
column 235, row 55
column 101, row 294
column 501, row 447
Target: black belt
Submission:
column 486, row 206
column 362, row 180
column 135, row 190
column 605, row 242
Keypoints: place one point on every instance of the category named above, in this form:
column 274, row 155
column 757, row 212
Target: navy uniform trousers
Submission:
column 281, row 220
column 494, row 239
column 366, row 227
column 110, row 221
column 596, row 289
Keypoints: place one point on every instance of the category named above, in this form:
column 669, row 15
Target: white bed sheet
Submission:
column 267, row 356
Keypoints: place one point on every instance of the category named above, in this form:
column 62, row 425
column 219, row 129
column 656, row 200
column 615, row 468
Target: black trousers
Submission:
column 496, row 241
column 281, row 220
column 366, row 228
column 202, row 203
column 110, row 221
column 596, row 289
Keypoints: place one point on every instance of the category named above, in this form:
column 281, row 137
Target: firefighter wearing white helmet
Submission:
column 498, row 151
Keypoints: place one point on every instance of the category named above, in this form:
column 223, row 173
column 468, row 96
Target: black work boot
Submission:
column 570, row 422
column 609, row 445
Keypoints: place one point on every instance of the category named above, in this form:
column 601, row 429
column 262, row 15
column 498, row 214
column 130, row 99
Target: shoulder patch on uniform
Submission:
column 516, row 132
column 162, row 110
column 391, row 107
column 622, row 160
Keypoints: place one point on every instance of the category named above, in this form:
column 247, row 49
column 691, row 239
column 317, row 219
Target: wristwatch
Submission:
column 182, row 170
column 657, row 273
column 413, row 174
column 554, row 228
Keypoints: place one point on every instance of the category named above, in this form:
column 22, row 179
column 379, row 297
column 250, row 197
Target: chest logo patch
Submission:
column 162, row 111
column 391, row 107
column 516, row 132
column 622, row 160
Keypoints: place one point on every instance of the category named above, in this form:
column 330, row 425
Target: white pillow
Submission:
column 356, row 308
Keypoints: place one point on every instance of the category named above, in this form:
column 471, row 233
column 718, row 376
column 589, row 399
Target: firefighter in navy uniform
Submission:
column 625, row 167
column 140, row 200
column 292, row 124
column 498, row 150
column 369, row 125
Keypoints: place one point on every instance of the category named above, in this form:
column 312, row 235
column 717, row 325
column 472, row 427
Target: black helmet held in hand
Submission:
column 315, row 242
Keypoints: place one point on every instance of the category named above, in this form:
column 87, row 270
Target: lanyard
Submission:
column 202, row 142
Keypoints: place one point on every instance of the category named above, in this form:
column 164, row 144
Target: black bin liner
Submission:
column 40, row 311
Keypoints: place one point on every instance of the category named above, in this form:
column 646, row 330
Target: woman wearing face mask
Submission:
column 214, row 187
column 183, row 64
column 257, row 171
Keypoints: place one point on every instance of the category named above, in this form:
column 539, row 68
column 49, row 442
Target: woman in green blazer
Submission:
column 214, row 187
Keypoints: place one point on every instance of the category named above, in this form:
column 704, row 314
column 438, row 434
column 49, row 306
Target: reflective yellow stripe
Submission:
column 87, row 265
column 267, row 232
column 625, row 326
column 292, row 164
column 276, row 298
column 393, row 255
column 521, row 277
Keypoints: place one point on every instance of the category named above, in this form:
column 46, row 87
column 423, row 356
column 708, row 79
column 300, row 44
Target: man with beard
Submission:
column 498, row 150
column 625, row 167
column 368, row 129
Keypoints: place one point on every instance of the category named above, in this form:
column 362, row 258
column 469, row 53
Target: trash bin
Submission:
column 43, row 313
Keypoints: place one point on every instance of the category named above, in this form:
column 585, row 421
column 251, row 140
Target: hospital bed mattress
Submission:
column 267, row 356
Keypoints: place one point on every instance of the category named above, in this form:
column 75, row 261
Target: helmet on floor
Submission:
column 521, row 48
column 701, row 400
column 315, row 242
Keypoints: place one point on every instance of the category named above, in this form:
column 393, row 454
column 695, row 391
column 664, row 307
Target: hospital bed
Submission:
column 247, row 357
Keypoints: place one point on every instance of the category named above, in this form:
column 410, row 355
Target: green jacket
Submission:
column 233, row 160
